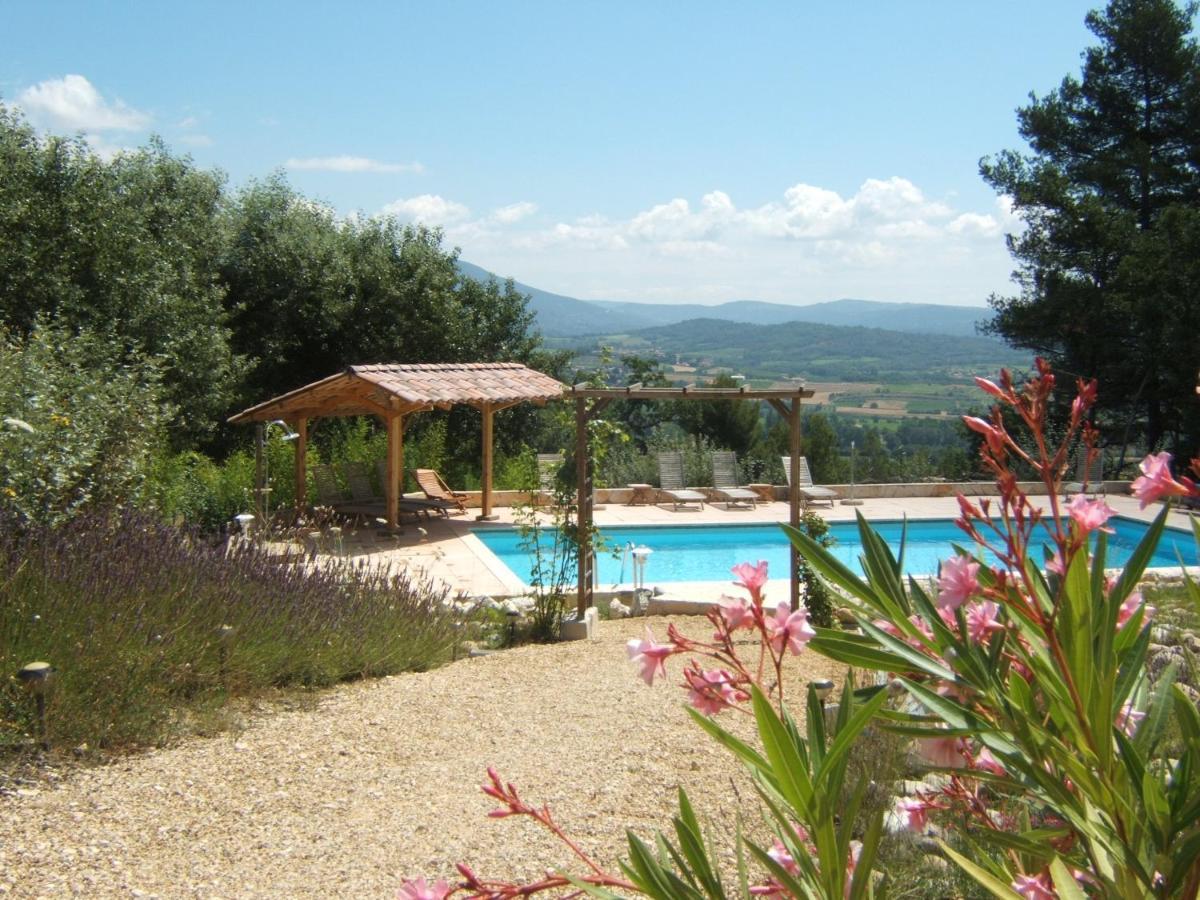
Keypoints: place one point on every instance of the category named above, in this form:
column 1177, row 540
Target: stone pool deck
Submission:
column 445, row 550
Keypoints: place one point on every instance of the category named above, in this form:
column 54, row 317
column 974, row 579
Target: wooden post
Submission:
column 583, row 516
column 395, row 468
column 794, row 493
column 260, row 473
column 485, row 478
column 301, row 466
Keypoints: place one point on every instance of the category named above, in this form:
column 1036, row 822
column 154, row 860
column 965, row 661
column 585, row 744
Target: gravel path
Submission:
column 379, row 781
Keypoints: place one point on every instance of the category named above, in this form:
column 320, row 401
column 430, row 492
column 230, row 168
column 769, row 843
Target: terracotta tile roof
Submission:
column 365, row 390
column 472, row 383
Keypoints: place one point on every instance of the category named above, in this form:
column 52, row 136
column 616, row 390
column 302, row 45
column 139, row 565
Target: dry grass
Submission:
column 380, row 781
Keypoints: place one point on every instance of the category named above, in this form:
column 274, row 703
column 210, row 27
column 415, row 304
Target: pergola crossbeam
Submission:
column 786, row 401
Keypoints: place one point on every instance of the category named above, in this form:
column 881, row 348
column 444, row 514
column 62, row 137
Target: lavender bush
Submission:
column 144, row 622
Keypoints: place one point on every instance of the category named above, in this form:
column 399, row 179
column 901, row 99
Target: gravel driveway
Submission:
column 379, row 781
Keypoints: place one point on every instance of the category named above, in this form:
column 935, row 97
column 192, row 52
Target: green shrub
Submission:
column 96, row 423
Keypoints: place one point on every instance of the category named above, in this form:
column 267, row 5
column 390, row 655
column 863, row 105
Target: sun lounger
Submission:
column 330, row 494
column 548, row 467
column 422, row 505
column 725, row 481
column 810, row 492
column 670, row 479
column 430, row 482
column 1089, row 479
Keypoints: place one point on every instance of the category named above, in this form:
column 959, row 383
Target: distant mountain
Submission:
column 926, row 318
column 561, row 316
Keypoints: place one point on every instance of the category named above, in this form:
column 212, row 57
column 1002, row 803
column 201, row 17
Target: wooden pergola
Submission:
column 786, row 402
column 393, row 392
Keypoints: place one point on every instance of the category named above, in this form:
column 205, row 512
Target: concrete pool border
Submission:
column 481, row 572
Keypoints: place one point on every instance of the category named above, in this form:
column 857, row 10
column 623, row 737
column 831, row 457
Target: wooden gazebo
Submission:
column 590, row 402
column 393, row 392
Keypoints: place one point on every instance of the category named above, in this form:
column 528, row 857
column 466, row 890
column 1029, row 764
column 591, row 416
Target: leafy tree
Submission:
column 1107, row 268
column 125, row 247
column 310, row 294
column 874, row 458
column 820, row 444
column 727, row 424
column 289, row 289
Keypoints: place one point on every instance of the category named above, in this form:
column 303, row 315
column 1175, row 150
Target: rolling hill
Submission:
column 562, row 316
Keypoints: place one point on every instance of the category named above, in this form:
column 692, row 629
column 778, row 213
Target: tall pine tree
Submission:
column 1108, row 268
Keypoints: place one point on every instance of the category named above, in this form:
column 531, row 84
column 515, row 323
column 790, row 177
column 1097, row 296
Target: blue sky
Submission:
column 791, row 152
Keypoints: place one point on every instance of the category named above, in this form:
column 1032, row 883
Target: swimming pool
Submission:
column 707, row 552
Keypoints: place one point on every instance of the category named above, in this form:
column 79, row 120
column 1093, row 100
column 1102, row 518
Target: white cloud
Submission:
column 72, row 103
column 428, row 209
column 692, row 249
column 196, row 140
column 974, row 225
column 188, row 122
column 351, row 164
column 886, row 240
column 807, row 212
column 514, row 212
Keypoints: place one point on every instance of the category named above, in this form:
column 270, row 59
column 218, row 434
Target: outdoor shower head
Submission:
column 288, row 434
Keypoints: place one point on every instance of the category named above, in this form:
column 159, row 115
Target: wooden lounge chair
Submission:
column 810, row 492
column 670, row 479
column 548, row 467
column 358, row 479
column 1089, row 480
column 725, row 481
column 422, row 505
column 430, row 482
column 330, row 494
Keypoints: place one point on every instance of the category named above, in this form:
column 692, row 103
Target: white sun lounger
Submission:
column 725, row 483
column 811, row 493
column 670, row 479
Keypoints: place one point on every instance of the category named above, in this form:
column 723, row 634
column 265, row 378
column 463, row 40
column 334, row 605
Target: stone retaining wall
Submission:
column 861, row 491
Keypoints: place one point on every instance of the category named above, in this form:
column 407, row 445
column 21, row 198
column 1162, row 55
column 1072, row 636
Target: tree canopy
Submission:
column 235, row 297
column 1107, row 267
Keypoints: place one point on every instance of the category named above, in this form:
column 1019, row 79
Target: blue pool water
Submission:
column 708, row 552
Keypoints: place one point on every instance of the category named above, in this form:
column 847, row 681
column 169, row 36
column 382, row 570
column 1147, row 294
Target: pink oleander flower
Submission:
column 945, row 753
column 780, row 854
column 1090, row 515
column 1132, row 604
column 417, row 889
column 990, row 387
column 752, row 578
column 736, row 613
column 991, row 434
column 958, row 580
column 712, row 691
column 650, row 655
column 1084, row 400
column 1057, row 565
column 1035, row 887
column 1156, row 480
column 851, row 865
column 789, row 629
column 981, row 621
column 985, row 761
column 1128, row 719
column 914, row 811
